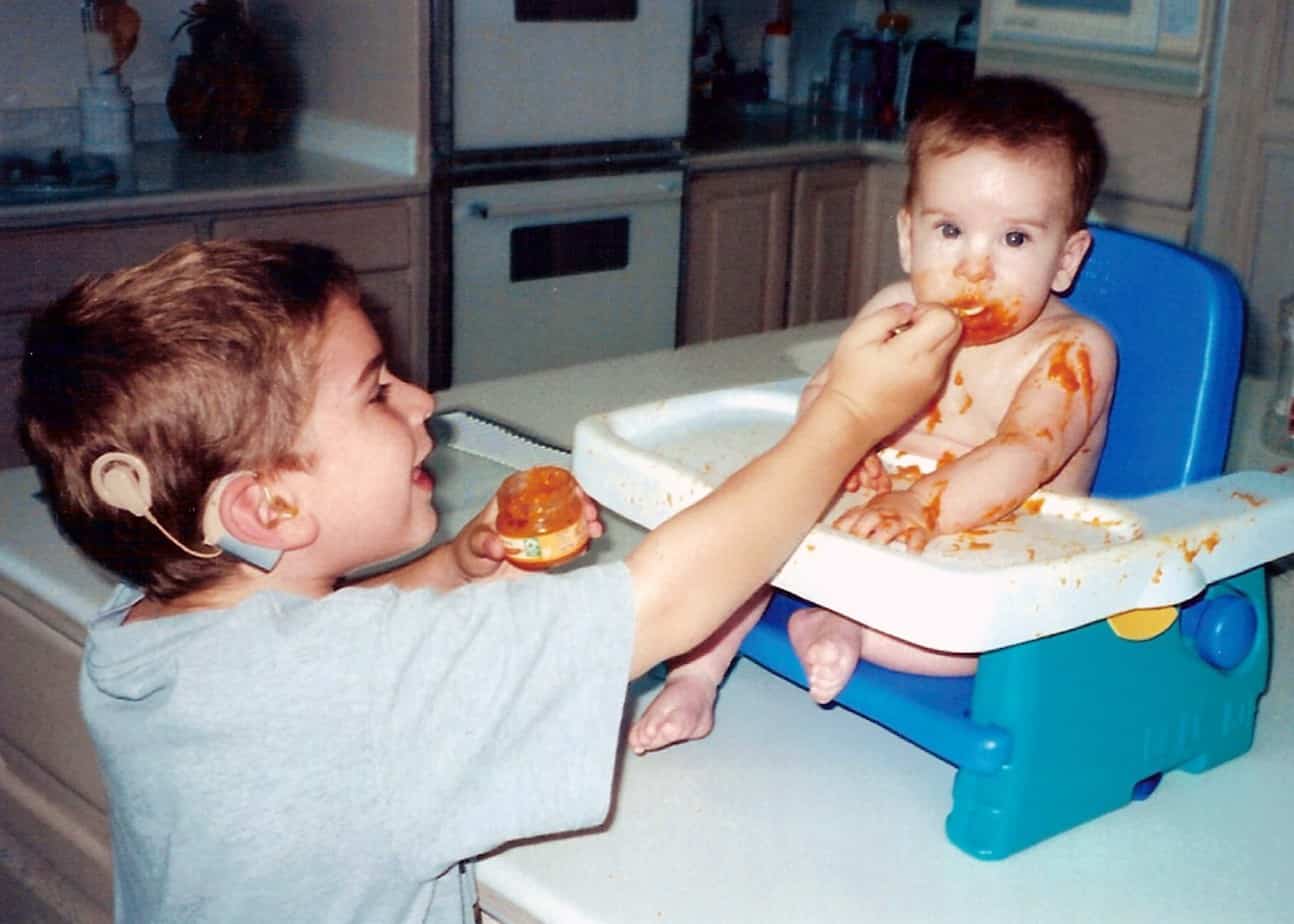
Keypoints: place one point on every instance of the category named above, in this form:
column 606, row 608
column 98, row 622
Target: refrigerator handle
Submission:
column 484, row 210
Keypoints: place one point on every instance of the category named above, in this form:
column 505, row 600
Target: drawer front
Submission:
column 37, row 266
column 369, row 237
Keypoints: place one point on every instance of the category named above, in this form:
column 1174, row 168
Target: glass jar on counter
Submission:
column 1278, row 428
column 541, row 518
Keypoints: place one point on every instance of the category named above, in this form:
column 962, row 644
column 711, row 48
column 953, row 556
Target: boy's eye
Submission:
column 380, row 393
column 1016, row 238
column 949, row 230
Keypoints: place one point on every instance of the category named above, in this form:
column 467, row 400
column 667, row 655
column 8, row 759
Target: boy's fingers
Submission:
column 877, row 325
column 932, row 325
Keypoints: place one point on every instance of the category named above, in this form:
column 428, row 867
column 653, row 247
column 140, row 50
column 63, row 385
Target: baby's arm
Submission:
column 1060, row 403
column 694, row 570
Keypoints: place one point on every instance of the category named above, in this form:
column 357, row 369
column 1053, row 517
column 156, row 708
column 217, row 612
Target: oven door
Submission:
column 549, row 72
column 555, row 272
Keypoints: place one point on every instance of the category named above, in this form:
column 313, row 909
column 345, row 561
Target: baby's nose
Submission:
column 975, row 269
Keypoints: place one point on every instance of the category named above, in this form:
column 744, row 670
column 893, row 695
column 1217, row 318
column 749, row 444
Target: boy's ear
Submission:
column 903, row 223
column 252, row 514
column 1071, row 258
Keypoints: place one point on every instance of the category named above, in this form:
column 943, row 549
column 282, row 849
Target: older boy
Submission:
column 1001, row 179
column 275, row 749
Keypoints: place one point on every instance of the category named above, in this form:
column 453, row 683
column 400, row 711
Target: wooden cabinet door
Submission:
column 829, row 234
column 879, row 258
column 738, row 228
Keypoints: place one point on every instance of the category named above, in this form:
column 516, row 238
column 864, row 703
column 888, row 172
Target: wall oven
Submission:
column 557, row 130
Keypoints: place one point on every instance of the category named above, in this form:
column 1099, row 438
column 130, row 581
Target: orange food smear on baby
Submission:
column 967, row 401
column 1032, row 505
column 1248, row 498
column 933, row 418
column 1074, row 375
column 931, row 509
column 945, row 457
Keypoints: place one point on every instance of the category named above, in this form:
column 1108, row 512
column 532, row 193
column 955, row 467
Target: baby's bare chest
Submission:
column 980, row 388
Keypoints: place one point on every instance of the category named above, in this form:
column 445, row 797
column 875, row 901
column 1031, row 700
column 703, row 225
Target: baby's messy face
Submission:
column 987, row 234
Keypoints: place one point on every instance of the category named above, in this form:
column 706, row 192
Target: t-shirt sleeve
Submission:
column 498, row 709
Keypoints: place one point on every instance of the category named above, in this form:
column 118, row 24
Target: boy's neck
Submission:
column 226, row 594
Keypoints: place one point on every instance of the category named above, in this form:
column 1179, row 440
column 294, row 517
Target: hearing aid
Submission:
column 121, row 480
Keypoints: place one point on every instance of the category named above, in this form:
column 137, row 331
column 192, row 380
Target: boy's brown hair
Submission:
column 1020, row 115
column 201, row 362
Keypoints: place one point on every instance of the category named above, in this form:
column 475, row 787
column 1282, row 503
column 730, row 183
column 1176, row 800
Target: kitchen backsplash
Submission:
column 815, row 23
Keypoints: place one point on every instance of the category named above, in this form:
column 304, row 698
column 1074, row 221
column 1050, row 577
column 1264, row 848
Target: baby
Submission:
column 1001, row 179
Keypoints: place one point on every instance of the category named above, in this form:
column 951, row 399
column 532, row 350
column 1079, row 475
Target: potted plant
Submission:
column 231, row 92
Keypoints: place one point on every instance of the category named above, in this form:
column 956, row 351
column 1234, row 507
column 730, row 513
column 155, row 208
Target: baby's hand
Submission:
column 869, row 475
column 889, row 364
column 898, row 515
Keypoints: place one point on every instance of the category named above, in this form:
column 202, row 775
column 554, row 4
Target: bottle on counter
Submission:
column 1278, row 428
column 777, row 59
column 839, row 73
column 541, row 518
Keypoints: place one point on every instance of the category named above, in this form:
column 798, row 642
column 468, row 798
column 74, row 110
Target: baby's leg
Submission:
column 830, row 646
column 684, row 708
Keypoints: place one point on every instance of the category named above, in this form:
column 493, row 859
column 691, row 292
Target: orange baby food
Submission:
column 983, row 320
column 541, row 518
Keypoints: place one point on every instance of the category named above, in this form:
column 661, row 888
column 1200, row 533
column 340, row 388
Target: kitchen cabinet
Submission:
column 1247, row 219
column 737, row 231
column 781, row 246
column 383, row 240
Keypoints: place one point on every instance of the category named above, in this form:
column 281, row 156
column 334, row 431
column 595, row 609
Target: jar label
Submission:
column 547, row 547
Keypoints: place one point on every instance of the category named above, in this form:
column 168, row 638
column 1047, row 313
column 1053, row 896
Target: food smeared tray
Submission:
column 1056, row 563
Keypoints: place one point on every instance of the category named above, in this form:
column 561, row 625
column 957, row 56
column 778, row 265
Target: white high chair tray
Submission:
column 1057, row 563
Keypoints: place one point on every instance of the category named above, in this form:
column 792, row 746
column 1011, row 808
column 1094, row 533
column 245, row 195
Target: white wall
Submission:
column 42, row 62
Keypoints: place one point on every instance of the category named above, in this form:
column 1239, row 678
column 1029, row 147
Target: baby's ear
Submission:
column 252, row 514
column 1071, row 258
column 903, row 224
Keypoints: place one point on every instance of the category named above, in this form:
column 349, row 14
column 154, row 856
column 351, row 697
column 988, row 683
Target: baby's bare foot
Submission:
column 682, row 711
column 828, row 646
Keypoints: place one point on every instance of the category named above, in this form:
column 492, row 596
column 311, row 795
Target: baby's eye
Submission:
column 380, row 393
column 949, row 230
column 1016, row 238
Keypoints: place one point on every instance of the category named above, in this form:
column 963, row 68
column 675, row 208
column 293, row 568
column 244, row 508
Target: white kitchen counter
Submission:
column 170, row 177
column 789, row 812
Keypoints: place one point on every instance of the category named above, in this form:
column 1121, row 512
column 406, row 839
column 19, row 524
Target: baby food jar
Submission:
column 541, row 518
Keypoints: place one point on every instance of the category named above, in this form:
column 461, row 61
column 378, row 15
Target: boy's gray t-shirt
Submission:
column 335, row 759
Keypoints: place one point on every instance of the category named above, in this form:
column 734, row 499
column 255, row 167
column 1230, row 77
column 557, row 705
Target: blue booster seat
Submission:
column 1055, row 731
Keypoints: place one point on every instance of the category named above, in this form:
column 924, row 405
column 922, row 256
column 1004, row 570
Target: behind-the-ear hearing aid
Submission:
column 121, row 480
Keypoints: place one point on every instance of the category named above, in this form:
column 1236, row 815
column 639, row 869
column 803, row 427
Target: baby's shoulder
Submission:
column 1062, row 323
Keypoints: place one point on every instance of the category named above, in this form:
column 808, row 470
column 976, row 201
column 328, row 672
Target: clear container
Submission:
column 541, row 518
column 1278, row 428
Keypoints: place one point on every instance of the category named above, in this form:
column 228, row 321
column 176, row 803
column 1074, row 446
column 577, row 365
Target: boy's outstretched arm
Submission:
column 692, row 571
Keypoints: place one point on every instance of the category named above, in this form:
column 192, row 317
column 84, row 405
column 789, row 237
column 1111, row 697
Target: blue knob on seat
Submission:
column 1223, row 628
